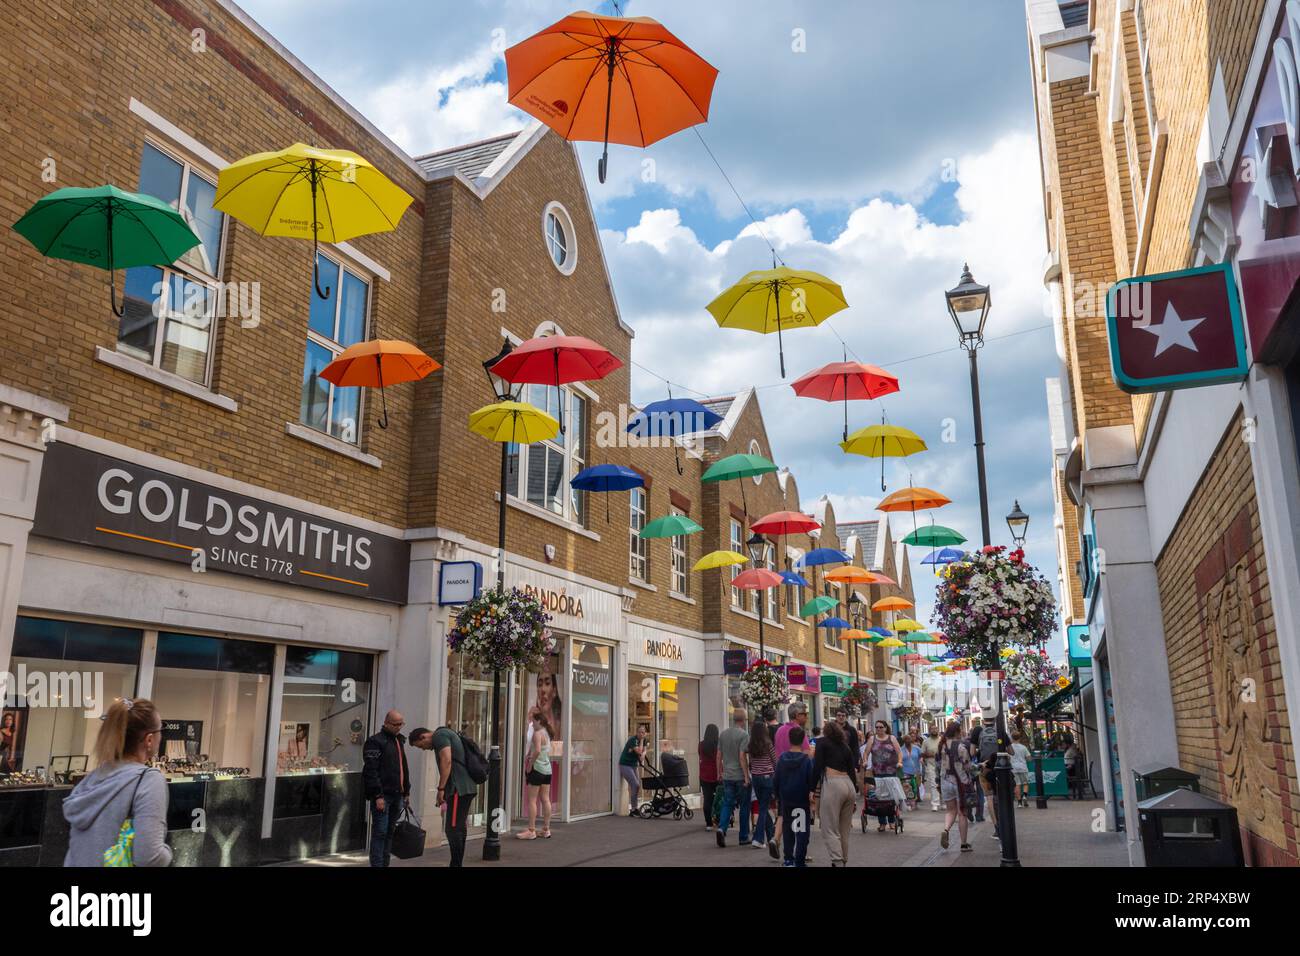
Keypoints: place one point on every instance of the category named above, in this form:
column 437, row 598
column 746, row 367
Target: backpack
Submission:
column 475, row 763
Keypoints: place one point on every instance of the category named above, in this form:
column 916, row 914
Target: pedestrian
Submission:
column 629, row 765
column 734, row 745
column 710, row 772
column 1020, row 768
column 456, row 788
column 955, row 785
column 762, row 769
column 122, row 794
column 912, row 769
column 794, row 784
column 835, row 792
column 991, row 743
column 850, row 734
column 973, row 748
column 798, row 714
column 930, row 766
column 885, row 756
column 537, row 782
column 387, row 781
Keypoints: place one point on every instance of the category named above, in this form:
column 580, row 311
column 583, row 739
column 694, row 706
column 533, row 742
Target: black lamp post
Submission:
column 1018, row 522
column 492, row 840
column 968, row 305
column 758, row 546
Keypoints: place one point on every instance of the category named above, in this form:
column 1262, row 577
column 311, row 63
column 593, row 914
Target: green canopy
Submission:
column 933, row 536
column 106, row 227
column 670, row 526
column 818, row 605
column 899, row 651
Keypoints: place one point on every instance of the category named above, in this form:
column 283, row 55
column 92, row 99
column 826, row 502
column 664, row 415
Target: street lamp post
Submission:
column 968, row 305
column 1018, row 523
column 492, row 839
column 758, row 546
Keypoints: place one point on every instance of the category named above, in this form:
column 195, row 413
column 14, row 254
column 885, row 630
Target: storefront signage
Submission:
column 735, row 662
column 1176, row 330
column 796, row 674
column 555, row 602
column 459, row 582
column 663, row 648
column 831, row 683
column 104, row 502
column 1080, row 649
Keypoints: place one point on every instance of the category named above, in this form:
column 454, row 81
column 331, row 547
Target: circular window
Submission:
column 557, row 229
column 755, row 450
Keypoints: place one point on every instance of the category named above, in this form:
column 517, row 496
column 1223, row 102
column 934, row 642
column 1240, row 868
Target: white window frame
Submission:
column 1144, row 59
column 737, row 545
column 335, row 349
column 574, row 460
column 755, row 449
column 773, row 594
column 570, row 246
column 184, row 270
column 638, row 547
column 678, row 546
column 829, row 634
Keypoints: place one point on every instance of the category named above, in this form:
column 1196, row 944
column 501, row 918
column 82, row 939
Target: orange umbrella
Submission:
column 612, row 79
column 892, row 604
column 913, row 499
column 851, row 575
column 376, row 363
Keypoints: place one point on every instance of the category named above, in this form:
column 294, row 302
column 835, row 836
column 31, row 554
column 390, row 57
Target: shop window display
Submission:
column 543, row 691
column 214, row 697
column 65, row 673
column 324, row 711
column 592, row 735
column 678, row 730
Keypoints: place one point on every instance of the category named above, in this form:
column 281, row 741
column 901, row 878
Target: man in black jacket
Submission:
column 387, row 781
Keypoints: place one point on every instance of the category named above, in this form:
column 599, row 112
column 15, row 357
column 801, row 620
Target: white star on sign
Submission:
column 1174, row 330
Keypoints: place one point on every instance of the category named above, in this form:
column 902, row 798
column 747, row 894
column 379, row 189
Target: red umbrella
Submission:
column 556, row 360
column 756, row 579
column 784, row 523
column 879, row 578
column 841, row 381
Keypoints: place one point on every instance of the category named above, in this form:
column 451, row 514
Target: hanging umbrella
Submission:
column 516, row 422
column 108, row 228
column 883, row 441
column 851, row 575
column 670, row 419
column 606, row 478
column 896, row 652
column 834, row 623
column 756, row 579
column 943, row 556
column 881, row 631
column 556, row 360
column 882, row 578
column 738, row 467
column 610, row 79
column 785, row 523
column 789, row 577
column 823, row 556
column 892, row 604
column 853, row 634
column 719, row 559
column 818, row 605
column 913, row 500
column 890, row 642
column 933, row 536
column 378, row 362
column 841, row 381
column 907, row 624
column 669, row 526
column 309, row 193
column 770, row 300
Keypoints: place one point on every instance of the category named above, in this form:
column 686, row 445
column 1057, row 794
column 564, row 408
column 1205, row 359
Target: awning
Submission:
column 1051, row 703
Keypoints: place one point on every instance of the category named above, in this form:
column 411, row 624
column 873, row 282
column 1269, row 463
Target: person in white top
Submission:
column 1020, row 768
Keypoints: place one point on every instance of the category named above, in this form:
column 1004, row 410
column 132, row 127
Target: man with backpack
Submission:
column 461, row 768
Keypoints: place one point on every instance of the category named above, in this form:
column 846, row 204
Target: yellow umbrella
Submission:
column 310, row 193
column 719, row 559
column 516, row 422
column 907, row 624
column 1006, row 652
column 769, row 300
column 892, row 604
column 850, row 575
column 883, row 441
column 890, row 642
column 943, row 669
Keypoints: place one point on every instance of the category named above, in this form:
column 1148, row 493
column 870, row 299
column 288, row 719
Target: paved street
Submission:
column 1061, row 835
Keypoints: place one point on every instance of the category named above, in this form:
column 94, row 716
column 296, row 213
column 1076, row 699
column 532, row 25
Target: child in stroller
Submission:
column 666, row 786
column 884, row 808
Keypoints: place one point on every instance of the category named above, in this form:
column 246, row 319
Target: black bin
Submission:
column 1187, row 828
column 1157, row 778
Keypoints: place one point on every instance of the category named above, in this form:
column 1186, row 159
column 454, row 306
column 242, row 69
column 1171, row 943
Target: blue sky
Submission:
column 879, row 142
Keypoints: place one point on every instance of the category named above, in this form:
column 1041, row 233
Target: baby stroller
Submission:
column 877, row 804
column 667, row 796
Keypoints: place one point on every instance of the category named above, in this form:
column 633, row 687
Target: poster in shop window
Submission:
column 13, row 738
column 542, row 695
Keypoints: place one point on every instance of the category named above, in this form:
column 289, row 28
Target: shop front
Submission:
column 665, row 670
column 142, row 580
column 805, row 688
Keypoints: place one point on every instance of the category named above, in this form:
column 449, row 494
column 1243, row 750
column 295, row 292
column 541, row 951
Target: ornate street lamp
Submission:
column 758, row 550
column 1018, row 522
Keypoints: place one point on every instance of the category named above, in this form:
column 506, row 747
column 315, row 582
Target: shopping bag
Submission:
column 408, row 837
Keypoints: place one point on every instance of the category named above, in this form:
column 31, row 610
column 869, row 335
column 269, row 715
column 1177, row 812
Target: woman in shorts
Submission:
column 537, row 782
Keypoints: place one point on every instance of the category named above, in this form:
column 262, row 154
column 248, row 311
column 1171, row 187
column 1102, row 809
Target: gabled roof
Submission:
column 730, row 407
column 865, row 532
column 470, row 159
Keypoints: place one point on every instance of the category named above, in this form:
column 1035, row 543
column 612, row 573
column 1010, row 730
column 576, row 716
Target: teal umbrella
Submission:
column 818, row 605
column 738, row 466
column 669, row 526
column 934, row 536
column 106, row 227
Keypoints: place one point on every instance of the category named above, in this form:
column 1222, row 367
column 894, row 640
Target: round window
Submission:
column 557, row 229
column 755, row 450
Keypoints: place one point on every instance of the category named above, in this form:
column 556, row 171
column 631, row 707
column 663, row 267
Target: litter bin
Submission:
column 1157, row 778
column 1187, row 828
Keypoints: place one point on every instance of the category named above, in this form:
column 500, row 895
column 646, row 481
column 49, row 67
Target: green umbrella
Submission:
column 899, row 652
column 818, row 605
column 106, row 227
column 670, row 526
column 934, row 536
column 738, row 466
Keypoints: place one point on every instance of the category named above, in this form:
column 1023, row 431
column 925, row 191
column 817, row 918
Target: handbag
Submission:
column 408, row 836
column 122, row 852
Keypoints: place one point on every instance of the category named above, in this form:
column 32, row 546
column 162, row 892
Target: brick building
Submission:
column 189, row 512
column 1167, row 145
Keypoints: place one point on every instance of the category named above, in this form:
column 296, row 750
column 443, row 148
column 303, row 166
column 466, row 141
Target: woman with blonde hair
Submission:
column 122, row 788
column 537, row 781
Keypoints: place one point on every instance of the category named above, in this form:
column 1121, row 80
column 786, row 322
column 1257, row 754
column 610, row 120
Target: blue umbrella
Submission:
column 835, row 623
column 670, row 418
column 789, row 577
column 823, row 556
column 606, row 478
column 883, row 632
column 943, row 556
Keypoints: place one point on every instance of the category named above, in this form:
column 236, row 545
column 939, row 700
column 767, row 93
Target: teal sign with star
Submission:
column 1176, row 330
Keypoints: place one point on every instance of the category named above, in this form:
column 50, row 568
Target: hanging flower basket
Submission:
column 909, row 713
column 764, row 685
column 992, row 598
column 859, row 700
column 1031, row 678
column 503, row 631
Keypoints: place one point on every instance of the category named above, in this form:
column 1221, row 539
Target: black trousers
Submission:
column 455, row 822
column 707, row 792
